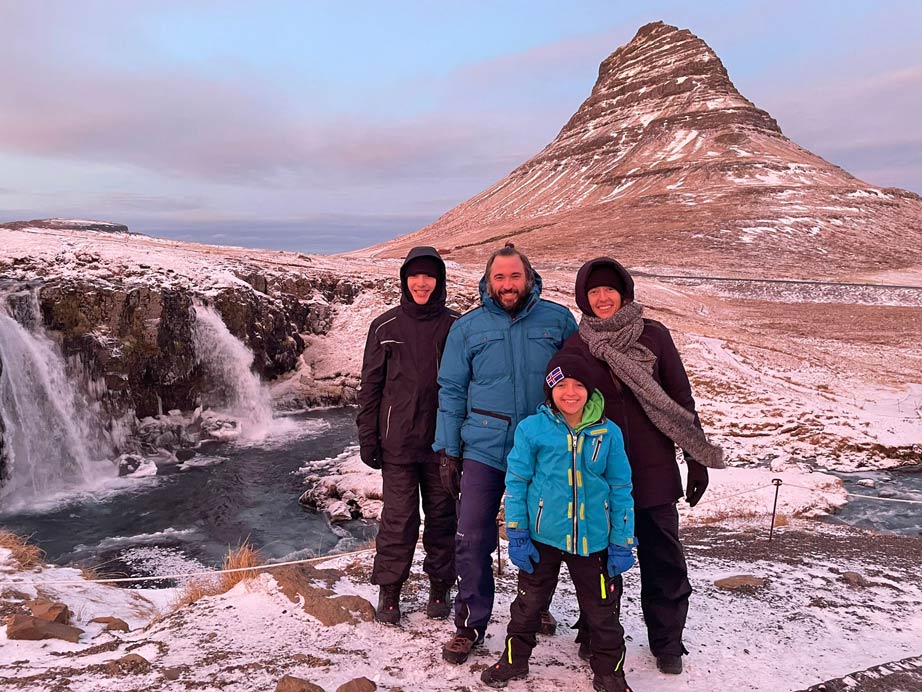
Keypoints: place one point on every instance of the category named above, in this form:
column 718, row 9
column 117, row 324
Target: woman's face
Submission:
column 604, row 301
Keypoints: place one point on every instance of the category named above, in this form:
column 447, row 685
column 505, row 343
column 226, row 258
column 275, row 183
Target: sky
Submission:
column 329, row 126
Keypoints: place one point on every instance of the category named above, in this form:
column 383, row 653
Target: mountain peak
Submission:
column 667, row 161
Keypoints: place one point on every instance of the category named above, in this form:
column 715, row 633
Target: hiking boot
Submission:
column 548, row 624
column 669, row 664
column 610, row 682
column 502, row 672
column 459, row 647
column 388, row 610
column 439, row 605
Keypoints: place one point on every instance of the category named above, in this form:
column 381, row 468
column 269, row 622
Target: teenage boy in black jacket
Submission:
column 396, row 421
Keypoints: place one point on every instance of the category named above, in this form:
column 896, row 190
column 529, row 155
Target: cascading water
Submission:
column 48, row 431
column 234, row 388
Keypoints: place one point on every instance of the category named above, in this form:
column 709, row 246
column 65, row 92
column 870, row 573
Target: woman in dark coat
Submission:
column 637, row 367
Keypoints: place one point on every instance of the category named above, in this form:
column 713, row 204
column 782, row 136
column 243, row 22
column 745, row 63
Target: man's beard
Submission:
column 514, row 307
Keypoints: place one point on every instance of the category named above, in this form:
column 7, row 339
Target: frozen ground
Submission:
column 809, row 622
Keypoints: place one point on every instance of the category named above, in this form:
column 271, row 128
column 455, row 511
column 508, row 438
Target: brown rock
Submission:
column 172, row 673
column 129, row 664
column 740, row 582
column 112, row 623
column 290, row 683
column 321, row 603
column 854, row 579
column 45, row 609
column 358, row 685
column 32, row 628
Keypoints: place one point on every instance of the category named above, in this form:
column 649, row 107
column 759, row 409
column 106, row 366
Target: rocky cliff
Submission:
column 123, row 304
column 667, row 165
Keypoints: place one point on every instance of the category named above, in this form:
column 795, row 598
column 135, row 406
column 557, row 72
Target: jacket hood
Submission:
column 582, row 278
column 533, row 297
column 437, row 299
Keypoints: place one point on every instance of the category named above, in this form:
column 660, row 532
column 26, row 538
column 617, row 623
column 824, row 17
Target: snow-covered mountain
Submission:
column 666, row 164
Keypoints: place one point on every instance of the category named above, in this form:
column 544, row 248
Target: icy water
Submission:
column 152, row 524
column 881, row 508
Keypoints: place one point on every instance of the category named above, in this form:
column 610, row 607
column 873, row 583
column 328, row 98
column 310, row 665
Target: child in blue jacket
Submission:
column 568, row 499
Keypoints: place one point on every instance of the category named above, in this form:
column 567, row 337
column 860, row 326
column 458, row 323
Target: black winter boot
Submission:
column 509, row 667
column 388, row 610
column 439, row 605
column 669, row 664
column 611, row 682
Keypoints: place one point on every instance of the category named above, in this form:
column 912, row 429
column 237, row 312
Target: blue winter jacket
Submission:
column 571, row 488
column 492, row 374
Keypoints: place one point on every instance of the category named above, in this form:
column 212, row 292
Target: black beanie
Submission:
column 423, row 265
column 605, row 275
column 563, row 365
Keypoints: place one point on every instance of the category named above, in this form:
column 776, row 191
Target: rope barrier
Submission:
column 885, row 499
column 188, row 575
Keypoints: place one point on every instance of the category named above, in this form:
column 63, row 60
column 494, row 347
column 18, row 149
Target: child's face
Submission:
column 570, row 396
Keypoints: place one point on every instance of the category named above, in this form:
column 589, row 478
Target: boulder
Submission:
column 45, row 609
column 112, row 623
column 33, row 629
column 854, row 579
column 741, row 582
column 358, row 685
column 290, row 683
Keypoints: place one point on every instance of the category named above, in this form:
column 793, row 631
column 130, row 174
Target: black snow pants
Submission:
column 664, row 585
column 403, row 484
column 598, row 595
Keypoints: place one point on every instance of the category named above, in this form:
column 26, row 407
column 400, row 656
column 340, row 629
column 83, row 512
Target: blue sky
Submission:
column 325, row 126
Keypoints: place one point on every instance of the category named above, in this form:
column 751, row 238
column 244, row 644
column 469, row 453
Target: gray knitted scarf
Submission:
column 614, row 340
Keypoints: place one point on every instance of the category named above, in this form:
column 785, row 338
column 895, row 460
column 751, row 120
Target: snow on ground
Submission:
column 807, row 624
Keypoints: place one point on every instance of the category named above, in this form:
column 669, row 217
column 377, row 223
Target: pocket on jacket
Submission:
column 485, row 429
column 545, row 341
column 488, row 354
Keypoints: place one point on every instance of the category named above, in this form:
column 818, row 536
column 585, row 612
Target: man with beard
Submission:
column 492, row 377
column 396, row 422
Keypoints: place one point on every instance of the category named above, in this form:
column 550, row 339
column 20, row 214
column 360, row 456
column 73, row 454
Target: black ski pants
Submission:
column 664, row 585
column 403, row 485
column 598, row 595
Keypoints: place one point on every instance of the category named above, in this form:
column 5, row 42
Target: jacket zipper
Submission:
column 598, row 446
column 608, row 520
column 491, row 414
column 538, row 518
column 387, row 426
column 575, row 496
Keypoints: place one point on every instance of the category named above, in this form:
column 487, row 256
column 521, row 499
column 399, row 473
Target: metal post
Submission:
column 777, row 483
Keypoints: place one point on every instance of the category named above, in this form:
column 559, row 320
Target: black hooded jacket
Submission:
column 655, row 474
column 399, row 398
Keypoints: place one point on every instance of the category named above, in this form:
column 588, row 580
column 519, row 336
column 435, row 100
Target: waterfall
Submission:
column 46, row 421
column 234, row 388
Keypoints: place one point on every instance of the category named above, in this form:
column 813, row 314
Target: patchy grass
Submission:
column 244, row 557
column 25, row 554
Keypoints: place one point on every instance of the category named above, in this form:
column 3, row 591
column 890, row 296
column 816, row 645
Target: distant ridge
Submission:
column 667, row 165
column 70, row 225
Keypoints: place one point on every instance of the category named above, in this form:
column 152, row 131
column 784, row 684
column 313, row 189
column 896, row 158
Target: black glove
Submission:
column 697, row 481
column 450, row 472
column 371, row 456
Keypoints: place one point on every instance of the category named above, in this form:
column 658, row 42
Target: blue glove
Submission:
column 620, row 559
column 521, row 550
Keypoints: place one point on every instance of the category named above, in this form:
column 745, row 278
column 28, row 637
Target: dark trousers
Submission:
column 598, row 595
column 398, row 532
column 482, row 489
column 664, row 585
